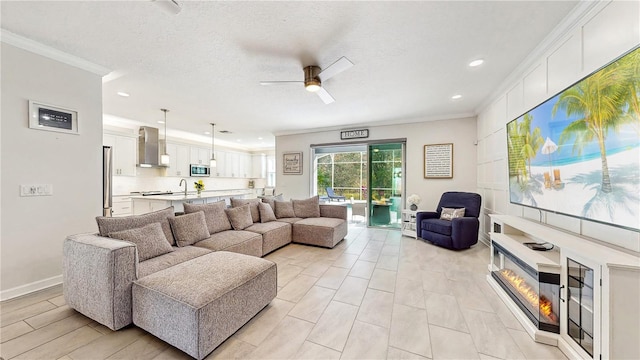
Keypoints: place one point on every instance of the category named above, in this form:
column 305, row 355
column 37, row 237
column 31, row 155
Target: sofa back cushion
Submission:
column 149, row 239
column 456, row 199
column 308, row 208
column 240, row 217
column 214, row 214
column 266, row 213
column 253, row 203
column 284, row 209
column 189, row 228
column 108, row 225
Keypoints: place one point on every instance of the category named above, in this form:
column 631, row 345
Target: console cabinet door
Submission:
column 582, row 294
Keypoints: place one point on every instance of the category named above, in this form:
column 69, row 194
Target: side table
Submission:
column 409, row 223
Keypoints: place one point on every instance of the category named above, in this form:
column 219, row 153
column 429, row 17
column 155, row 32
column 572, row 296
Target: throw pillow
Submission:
column 149, row 239
column 450, row 213
column 108, row 225
column 240, row 217
column 255, row 213
column 308, row 208
column 189, row 228
column 271, row 201
column 217, row 219
column 284, row 209
column 266, row 213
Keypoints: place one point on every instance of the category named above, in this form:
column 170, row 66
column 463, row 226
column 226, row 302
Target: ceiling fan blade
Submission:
column 325, row 96
column 334, row 69
column 280, row 82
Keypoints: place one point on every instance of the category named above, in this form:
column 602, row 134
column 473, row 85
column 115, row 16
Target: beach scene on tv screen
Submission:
column 578, row 153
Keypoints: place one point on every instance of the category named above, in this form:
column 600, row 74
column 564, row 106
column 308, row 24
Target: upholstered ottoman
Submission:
column 320, row 231
column 198, row 304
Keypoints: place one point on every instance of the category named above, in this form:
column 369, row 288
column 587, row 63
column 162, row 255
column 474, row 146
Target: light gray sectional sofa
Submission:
column 147, row 255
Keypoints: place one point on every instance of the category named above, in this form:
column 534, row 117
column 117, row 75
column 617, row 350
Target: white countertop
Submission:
column 192, row 195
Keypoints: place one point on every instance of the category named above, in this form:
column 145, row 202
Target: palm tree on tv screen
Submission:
column 532, row 140
column 599, row 103
column 629, row 66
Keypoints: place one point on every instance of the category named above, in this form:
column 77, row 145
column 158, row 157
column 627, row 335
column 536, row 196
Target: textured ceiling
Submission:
column 205, row 63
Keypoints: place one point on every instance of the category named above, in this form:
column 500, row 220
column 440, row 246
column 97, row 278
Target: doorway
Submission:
column 366, row 175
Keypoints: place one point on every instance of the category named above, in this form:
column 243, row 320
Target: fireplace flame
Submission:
column 524, row 289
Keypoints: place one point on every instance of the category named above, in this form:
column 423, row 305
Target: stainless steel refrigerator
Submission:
column 107, row 163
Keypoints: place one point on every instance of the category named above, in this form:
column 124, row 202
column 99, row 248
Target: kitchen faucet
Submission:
column 185, row 186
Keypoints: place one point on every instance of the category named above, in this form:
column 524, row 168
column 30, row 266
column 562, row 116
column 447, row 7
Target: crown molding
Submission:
column 573, row 20
column 47, row 51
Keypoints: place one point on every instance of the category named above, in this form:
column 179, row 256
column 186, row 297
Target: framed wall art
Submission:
column 52, row 118
column 438, row 161
column 292, row 163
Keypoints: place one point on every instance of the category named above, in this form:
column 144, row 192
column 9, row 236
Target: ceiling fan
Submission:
column 314, row 76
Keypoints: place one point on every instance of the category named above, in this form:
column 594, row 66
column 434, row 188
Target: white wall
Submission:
column 460, row 132
column 596, row 37
column 33, row 228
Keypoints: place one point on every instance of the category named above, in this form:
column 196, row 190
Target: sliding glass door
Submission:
column 386, row 166
column 368, row 174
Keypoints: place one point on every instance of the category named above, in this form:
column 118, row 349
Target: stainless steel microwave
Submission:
column 199, row 170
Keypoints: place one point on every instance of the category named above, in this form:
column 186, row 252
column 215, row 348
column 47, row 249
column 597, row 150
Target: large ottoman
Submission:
column 319, row 231
column 198, row 304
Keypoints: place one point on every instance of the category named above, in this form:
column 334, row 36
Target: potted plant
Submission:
column 413, row 200
column 199, row 185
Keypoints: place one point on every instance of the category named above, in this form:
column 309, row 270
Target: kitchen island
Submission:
column 149, row 203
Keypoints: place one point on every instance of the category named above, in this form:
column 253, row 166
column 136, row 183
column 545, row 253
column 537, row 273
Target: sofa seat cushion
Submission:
column 325, row 232
column 197, row 304
column 437, row 226
column 179, row 255
column 239, row 241
column 275, row 234
column 290, row 220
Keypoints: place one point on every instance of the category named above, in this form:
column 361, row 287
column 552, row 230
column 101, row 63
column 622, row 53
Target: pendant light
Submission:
column 213, row 163
column 164, row 158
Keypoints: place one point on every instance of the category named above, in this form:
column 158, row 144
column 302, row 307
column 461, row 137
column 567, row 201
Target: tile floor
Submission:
column 376, row 295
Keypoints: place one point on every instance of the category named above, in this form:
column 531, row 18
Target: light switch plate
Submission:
column 36, row 190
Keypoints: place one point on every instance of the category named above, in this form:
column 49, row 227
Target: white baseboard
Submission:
column 29, row 288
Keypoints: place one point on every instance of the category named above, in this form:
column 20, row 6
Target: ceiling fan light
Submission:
column 312, row 85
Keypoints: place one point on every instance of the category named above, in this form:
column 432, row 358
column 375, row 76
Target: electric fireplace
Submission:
column 536, row 293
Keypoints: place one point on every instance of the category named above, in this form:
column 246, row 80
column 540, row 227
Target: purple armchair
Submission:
column 459, row 233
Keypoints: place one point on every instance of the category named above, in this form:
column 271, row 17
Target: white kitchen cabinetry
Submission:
column 121, row 206
column 219, row 170
column 245, row 166
column 258, row 166
column 200, row 155
column 179, row 158
column 124, row 152
column 232, row 164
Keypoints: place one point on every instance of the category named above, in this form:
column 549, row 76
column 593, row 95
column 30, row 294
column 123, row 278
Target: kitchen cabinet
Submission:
column 200, row 155
column 232, row 164
column 258, row 166
column 220, row 170
column 124, row 150
column 121, row 206
column 179, row 158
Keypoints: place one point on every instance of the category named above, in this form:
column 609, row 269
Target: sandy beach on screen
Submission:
column 581, row 182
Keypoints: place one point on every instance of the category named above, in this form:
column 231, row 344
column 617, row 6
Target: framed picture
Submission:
column 52, row 118
column 438, row 161
column 292, row 163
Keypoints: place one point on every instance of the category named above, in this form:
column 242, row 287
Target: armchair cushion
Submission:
column 454, row 232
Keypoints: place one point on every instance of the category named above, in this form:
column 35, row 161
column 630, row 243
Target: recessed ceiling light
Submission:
column 260, row 138
column 123, row 94
column 239, row 140
column 476, row 62
column 207, row 133
column 456, row 97
column 160, row 122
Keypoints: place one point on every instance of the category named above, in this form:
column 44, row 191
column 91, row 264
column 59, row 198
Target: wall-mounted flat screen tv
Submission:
column 578, row 153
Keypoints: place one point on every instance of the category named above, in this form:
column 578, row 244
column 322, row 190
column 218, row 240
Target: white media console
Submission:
column 594, row 289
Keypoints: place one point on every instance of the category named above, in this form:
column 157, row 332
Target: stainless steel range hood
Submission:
column 148, row 147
